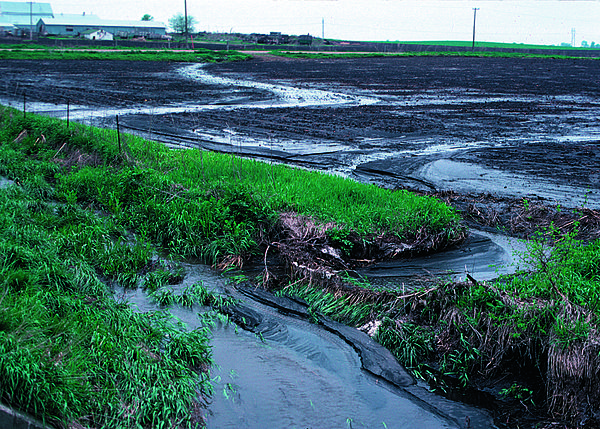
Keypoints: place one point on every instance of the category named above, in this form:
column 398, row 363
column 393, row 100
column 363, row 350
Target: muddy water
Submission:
column 298, row 375
column 484, row 256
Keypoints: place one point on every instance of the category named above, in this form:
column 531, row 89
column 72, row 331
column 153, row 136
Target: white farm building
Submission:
column 98, row 35
column 78, row 25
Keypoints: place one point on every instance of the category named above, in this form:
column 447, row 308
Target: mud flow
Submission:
column 288, row 372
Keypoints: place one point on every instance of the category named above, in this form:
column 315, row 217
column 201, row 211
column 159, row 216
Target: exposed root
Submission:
column 308, row 252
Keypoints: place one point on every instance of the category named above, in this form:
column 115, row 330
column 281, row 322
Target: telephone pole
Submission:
column 475, row 9
column 186, row 25
column 323, row 28
column 30, row 20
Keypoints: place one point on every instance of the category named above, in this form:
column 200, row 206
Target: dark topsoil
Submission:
column 529, row 116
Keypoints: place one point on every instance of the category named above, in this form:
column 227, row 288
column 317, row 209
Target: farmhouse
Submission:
column 98, row 35
column 77, row 25
column 20, row 18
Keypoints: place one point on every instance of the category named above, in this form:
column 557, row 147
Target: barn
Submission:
column 20, row 18
column 78, row 25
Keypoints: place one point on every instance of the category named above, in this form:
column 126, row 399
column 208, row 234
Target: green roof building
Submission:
column 23, row 16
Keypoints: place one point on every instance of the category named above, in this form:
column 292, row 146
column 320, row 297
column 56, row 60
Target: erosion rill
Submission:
column 82, row 215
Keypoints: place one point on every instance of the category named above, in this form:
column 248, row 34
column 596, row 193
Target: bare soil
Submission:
column 506, row 129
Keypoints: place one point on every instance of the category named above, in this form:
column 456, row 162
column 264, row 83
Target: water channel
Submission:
column 296, row 374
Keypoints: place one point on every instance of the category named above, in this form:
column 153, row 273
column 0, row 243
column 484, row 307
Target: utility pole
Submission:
column 475, row 9
column 186, row 25
column 30, row 20
column 573, row 37
column 323, row 28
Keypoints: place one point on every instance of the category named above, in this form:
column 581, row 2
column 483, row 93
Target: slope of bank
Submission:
column 86, row 209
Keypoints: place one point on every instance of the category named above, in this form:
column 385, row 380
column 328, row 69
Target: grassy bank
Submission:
column 199, row 55
column 209, row 205
column 532, row 339
column 84, row 210
column 70, row 354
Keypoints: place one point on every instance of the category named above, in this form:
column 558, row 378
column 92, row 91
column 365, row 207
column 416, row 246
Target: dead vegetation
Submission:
column 75, row 157
column 520, row 217
column 309, row 252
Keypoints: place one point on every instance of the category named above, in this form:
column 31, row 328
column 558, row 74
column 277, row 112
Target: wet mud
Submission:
column 512, row 143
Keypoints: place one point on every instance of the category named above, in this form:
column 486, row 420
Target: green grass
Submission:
column 479, row 54
column 70, row 353
column 201, row 55
column 209, row 205
column 84, row 214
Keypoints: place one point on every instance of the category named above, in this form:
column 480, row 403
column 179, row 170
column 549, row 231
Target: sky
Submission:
column 548, row 22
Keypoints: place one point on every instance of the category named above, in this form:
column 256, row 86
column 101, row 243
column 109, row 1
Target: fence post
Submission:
column 24, row 103
column 68, row 105
column 118, row 134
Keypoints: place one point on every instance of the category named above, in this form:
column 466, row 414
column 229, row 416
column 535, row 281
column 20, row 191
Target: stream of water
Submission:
column 299, row 375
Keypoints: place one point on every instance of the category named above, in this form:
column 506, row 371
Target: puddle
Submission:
column 465, row 177
column 5, row 183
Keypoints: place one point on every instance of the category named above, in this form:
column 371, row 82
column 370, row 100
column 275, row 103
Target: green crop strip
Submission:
column 201, row 55
column 484, row 45
column 325, row 55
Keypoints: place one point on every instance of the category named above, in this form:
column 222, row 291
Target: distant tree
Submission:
column 593, row 44
column 584, row 44
column 177, row 23
column 147, row 17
